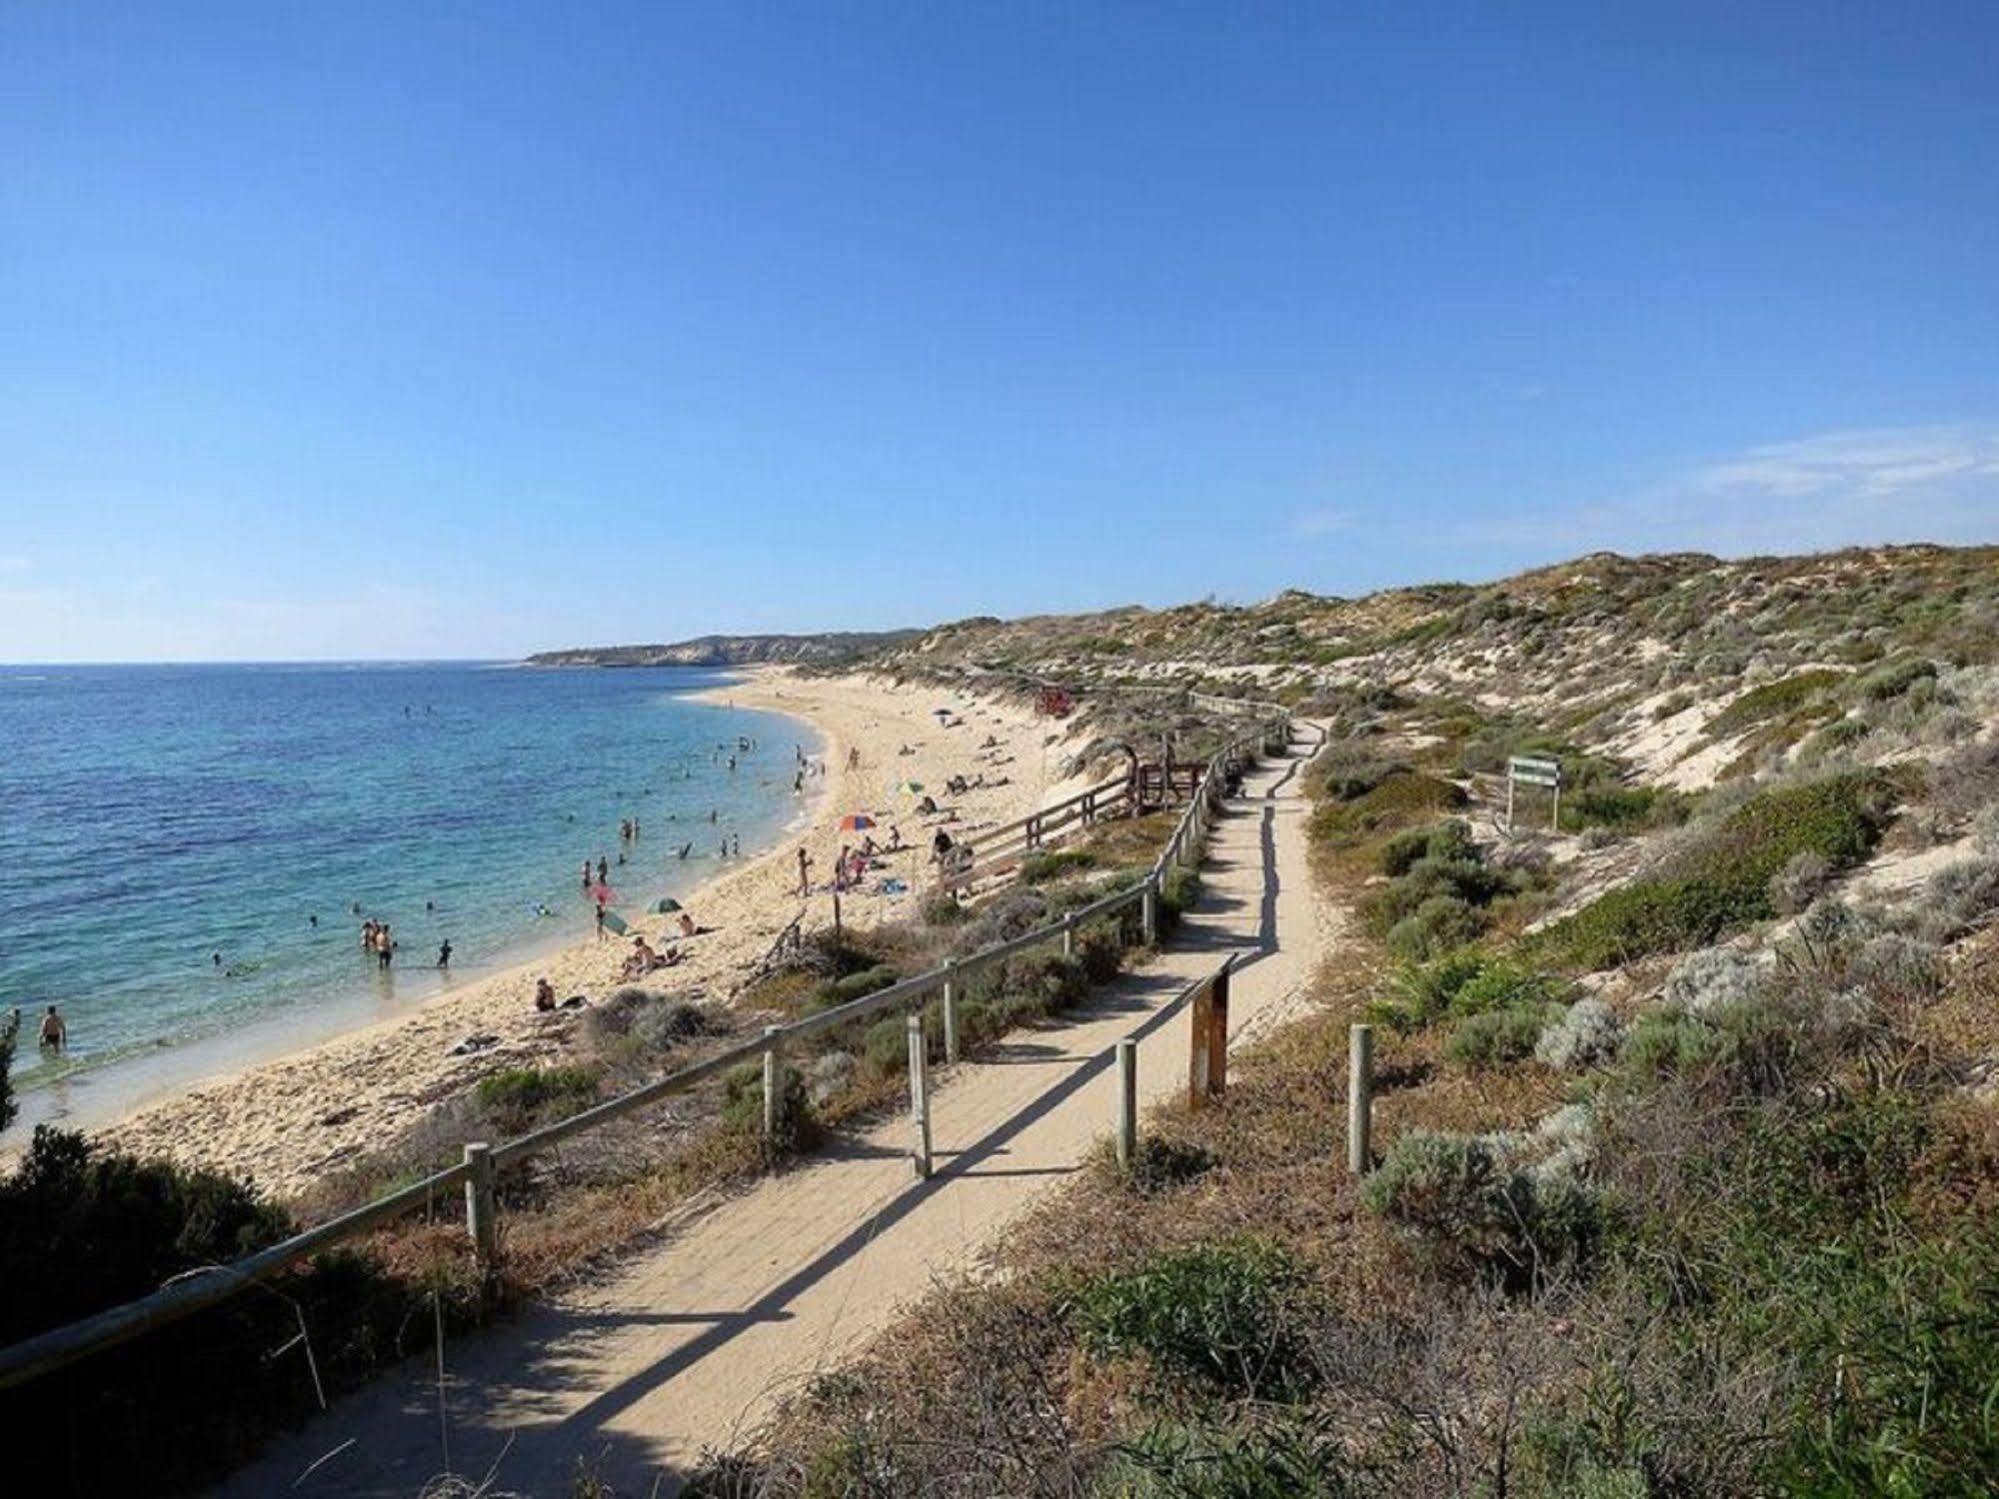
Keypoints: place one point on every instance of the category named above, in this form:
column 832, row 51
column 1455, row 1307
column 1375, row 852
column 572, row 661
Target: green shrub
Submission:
column 83, row 1229
column 743, row 1107
column 1772, row 700
column 1441, row 923
column 853, row 986
column 1622, row 809
column 1222, row 1315
column 1289, row 1455
column 1721, row 882
column 10, row 1031
column 943, row 910
column 1462, row 984
column 1445, row 841
column 1177, row 895
column 1497, row 1036
column 1459, row 1196
column 523, row 1098
column 1401, row 798
column 1892, row 680
column 1039, row 869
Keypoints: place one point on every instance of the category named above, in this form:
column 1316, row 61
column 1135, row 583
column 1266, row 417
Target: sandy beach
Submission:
column 285, row 1121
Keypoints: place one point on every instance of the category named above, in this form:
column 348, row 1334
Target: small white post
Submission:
column 1127, row 1104
column 919, row 1094
column 1148, row 907
column 950, row 1007
column 482, row 1211
column 1068, row 936
column 771, row 1071
column 1360, row 1098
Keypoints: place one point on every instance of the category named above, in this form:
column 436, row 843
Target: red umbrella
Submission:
column 856, row 822
column 603, row 894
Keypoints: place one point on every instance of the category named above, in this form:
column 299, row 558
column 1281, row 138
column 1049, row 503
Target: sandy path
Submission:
column 289, row 1120
column 689, row 1344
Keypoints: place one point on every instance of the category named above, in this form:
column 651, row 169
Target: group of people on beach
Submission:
column 377, row 941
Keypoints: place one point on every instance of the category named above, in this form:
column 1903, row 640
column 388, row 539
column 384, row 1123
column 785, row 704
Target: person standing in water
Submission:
column 55, row 1034
column 444, row 953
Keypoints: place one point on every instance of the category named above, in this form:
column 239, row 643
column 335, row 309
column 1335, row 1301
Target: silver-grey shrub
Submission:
column 1587, row 1034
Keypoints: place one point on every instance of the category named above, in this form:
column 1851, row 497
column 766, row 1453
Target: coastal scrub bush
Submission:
column 638, row 1020
column 1446, row 840
column 1400, row 798
column 1225, row 1315
column 1772, row 700
column 1496, row 1037
column 1622, row 809
column 1461, row 1198
column 83, row 1228
column 1799, row 882
column 1890, row 681
column 1461, row 984
column 1586, row 1034
column 523, row 1098
column 743, row 1107
column 1039, row 869
column 1719, row 881
column 840, row 991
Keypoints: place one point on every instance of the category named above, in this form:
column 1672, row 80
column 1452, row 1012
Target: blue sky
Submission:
column 388, row 329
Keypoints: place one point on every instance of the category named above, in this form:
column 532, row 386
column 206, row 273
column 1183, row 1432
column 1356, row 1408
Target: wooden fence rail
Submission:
column 201, row 1288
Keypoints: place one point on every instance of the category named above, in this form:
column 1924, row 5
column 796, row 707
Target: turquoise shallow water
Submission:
column 153, row 817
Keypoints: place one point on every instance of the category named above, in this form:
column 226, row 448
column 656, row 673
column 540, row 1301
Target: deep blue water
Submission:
column 152, row 817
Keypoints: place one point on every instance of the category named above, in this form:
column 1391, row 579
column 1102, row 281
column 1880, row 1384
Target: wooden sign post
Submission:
column 1208, row 1060
column 1535, row 770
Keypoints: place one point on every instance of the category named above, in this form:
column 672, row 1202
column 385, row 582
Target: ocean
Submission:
column 168, row 834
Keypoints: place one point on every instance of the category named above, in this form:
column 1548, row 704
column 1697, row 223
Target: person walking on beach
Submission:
column 603, row 871
column 735, row 845
column 600, row 921
column 804, row 872
column 55, row 1034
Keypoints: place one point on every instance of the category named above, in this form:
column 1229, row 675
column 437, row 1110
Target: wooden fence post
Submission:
column 919, row 1093
column 1148, row 906
column 950, row 1008
column 482, row 1210
column 1127, row 1104
column 772, row 1073
column 1360, row 1098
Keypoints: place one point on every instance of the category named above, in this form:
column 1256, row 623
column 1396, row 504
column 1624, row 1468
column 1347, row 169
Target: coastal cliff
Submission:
column 733, row 650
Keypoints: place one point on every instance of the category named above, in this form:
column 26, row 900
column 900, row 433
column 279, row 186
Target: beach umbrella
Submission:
column 603, row 894
column 665, row 906
column 914, row 788
column 856, row 822
column 613, row 922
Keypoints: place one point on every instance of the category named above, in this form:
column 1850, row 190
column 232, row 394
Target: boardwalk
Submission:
column 688, row 1344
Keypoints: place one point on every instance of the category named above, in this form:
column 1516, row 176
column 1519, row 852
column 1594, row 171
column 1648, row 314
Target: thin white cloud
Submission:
column 1855, row 487
column 1322, row 522
column 1874, row 463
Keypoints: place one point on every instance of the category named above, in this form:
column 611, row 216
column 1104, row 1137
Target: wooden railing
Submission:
column 477, row 1172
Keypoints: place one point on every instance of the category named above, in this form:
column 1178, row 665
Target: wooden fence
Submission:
column 477, row 1173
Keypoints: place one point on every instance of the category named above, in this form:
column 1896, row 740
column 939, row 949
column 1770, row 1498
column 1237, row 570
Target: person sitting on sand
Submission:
column 940, row 846
column 544, row 995
column 55, row 1034
column 687, row 927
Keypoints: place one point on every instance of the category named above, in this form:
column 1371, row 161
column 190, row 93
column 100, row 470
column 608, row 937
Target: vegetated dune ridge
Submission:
column 288, row 1122
column 1686, row 1127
